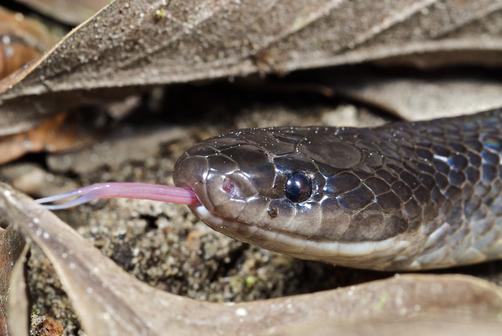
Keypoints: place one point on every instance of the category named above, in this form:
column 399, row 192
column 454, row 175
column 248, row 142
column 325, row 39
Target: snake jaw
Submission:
column 358, row 255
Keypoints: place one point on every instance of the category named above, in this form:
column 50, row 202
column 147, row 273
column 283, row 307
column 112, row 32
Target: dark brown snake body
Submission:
column 402, row 196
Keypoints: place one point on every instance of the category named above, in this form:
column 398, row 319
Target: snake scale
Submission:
column 403, row 196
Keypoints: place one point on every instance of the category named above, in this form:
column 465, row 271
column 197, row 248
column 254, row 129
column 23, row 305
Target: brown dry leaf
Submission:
column 57, row 133
column 21, row 41
column 50, row 327
column 145, row 42
column 111, row 302
column 69, row 11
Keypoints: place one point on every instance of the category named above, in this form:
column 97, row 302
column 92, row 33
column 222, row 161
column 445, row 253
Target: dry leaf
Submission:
column 422, row 99
column 412, row 97
column 18, row 317
column 56, row 133
column 11, row 247
column 32, row 179
column 412, row 327
column 69, row 11
column 145, row 42
column 21, row 41
column 111, row 302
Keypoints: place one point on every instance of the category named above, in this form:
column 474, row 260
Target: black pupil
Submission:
column 298, row 188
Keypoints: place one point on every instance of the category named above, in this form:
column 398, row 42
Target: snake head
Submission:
column 300, row 192
column 230, row 177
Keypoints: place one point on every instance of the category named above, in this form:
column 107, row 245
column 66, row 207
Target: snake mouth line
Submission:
column 297, row 246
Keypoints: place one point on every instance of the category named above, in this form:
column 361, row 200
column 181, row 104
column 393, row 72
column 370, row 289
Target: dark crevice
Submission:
column 151, row 222
column 17, row 6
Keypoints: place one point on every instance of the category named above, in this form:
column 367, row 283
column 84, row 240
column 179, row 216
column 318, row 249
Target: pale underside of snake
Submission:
column 403, row 196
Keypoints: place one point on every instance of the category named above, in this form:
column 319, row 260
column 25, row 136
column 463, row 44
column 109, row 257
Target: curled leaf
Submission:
column 21, row 41
column 146, row 42
column 111, row 302
column 412, row 97
column 11, row 247
column 412, row 327
column 18, row 304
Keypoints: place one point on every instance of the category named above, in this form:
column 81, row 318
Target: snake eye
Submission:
column 298, row 188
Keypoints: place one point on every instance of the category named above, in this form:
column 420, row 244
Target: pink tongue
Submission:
column 155, row 192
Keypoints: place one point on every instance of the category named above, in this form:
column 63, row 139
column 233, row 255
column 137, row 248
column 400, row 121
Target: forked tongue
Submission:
column 131, row 190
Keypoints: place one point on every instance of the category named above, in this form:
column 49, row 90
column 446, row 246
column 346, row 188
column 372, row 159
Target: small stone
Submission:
column 241, row 312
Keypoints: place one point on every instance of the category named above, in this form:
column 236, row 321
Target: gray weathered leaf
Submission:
column 419, row 97
column 146, row 42
column 18, row 305
column 11, row 246
column 111, row 302
column 412, row 327
column 32, row 179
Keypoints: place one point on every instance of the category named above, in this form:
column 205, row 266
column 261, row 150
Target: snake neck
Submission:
column 456, row 168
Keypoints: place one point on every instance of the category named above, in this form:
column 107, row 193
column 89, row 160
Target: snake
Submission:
column 402, row 196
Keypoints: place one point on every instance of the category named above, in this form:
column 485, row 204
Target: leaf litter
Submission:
column 202, row 49
column 129, row 44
